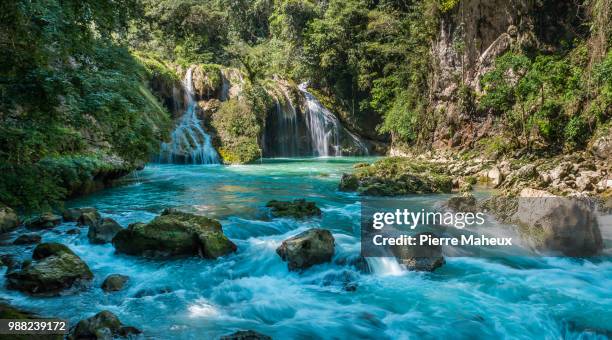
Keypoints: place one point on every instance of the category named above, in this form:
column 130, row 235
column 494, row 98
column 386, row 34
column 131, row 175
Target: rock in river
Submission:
column 103, row 231
column 27, row 239
column 246, row 335
column 174, row 233
column 299, row 208
column 114, row 282
column 44, row 221
column 54, row 269
column 306, row 249
column 104, row 325
column 74, row 214
column 420, row 257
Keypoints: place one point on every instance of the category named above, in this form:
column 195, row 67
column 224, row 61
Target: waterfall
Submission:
column 189, row 144
column 325, row 129
column 283, row 127
column 385, row 266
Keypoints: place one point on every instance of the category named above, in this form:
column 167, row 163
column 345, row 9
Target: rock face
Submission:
column 558, row 224
column 104, row 325
column 8, row 219
column 104, row 231
column 395, row 176
column 55, row 268
column 420, row 258
column 114, row 282
column 495, row 176
column 246, row 335
column 44, row 221
column 174, row 233
column 299, row 208
column 27, row 239
column 74, row 214
column 89, row 218
column 306, row 249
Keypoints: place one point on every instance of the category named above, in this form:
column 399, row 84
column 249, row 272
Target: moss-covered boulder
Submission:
column 174, row 233
column 54, row 269
column 44, row 221
column 74, row 214
column 307, row 249
column 8, row 219
column 104, row 325
column 246, row 335
column 420, row 257
column 395, row 176
column 104, row 231
column 89, row 219
column 299, row 208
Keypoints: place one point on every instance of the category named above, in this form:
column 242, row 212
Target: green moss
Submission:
column 394, row 176
column 238, row 129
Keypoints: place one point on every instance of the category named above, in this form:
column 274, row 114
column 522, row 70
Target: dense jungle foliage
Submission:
column 74, row 75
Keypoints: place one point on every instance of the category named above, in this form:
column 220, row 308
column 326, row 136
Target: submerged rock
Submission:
column 299, row 208
column 395, row 176
column 8, row 219
column 306, row 249
column 420, row 257
column 44, row 221
column 27, row 239
column 104, row 325
column 114, row 282
column 174, row 233
column 104, row 231
column 246, row 335
column 55, row 268
column 74, row 214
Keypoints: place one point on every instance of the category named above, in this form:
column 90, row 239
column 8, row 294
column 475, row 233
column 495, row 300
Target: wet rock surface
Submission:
column 299, row 208
column 54, row 268
column 420, row 257
column 103, row 231
column 104, row 325
column 307, row 249
column 174, row 233
column 8, row 219
column 246, row 335
column 44, row 221
column 27, row 239
column 114, row 282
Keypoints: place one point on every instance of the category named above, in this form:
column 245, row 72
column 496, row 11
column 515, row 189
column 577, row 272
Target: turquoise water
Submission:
column 198, row 299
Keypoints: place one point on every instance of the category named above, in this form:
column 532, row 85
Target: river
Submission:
column 252, row 289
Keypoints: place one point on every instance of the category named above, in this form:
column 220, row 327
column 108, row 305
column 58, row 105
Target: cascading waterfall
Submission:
column 284, row 141
column 190, row 143
column 325, row 128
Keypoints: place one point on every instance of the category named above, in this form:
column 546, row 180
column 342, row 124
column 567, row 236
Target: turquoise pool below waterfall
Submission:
column 467, row 298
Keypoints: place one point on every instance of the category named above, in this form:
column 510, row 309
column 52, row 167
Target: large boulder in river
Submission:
column 44, row 221
column 306, row 249
column 420, row 257
column 89, row 218
column 559, row 224
column 74, row 214
column 175, row 233
column 104, row 231
column 246, row 335
column 104, row 325
column 55, row 268
column 8, row 219
column 299, row 208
